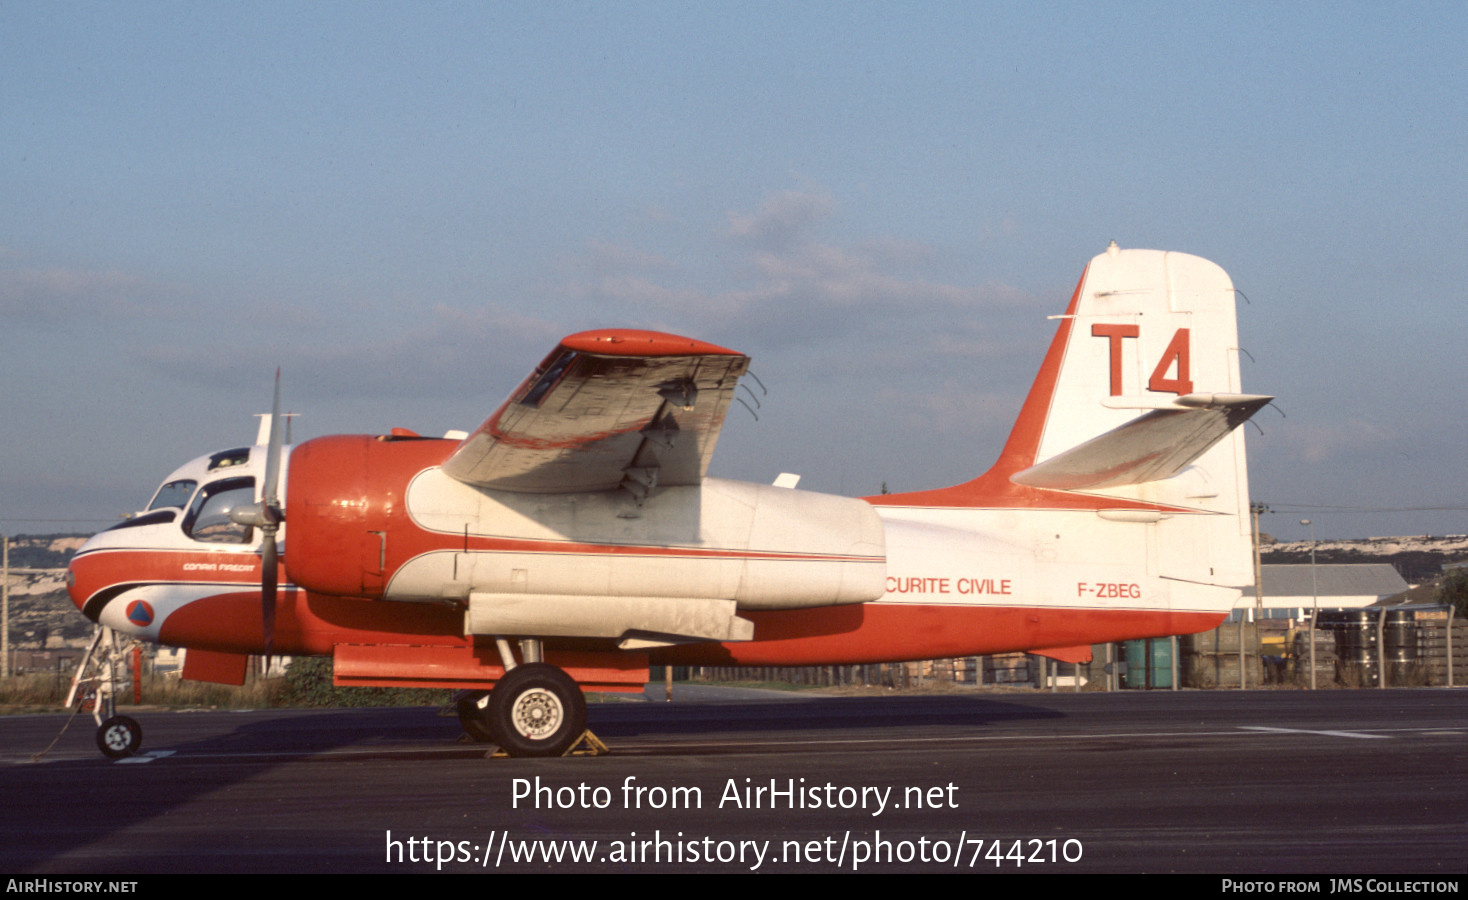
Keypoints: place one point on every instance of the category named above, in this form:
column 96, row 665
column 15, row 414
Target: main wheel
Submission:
column 119, row 737
column 474, row 715
column 536, row 710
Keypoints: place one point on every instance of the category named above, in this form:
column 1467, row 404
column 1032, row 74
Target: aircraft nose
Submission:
column 78, row 580
column 78, row 598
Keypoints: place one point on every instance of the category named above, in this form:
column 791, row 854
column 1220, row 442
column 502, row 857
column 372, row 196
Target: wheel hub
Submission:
column 537, row 714
column 117, row 737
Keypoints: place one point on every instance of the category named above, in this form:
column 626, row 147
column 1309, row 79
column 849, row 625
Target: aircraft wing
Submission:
column 606, row 409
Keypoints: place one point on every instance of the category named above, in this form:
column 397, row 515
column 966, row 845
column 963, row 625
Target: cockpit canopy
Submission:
column 174, row 494
column 200, row 496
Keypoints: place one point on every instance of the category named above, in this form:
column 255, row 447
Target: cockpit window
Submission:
column 224, row 459
column 174, row 494
column 159, row 517
column 208, row 518
column 554, row 369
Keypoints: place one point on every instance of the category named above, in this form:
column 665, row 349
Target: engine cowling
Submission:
column 344, row 504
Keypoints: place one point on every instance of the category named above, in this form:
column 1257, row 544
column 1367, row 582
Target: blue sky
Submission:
column 405, row 205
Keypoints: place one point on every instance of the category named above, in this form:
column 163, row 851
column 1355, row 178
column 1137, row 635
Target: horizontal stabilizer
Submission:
column 1151, row 447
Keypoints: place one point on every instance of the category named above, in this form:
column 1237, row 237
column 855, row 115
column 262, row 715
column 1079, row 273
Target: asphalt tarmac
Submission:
column 1227, row 782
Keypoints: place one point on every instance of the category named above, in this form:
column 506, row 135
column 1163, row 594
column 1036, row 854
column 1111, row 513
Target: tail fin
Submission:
column 1135, row 413
column 1138, row 396
column 1146, row 379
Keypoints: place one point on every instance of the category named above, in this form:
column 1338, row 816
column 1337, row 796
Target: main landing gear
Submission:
column 94, row 683
column 534, row 710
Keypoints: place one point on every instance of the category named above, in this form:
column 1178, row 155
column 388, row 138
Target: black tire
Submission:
column 474, row 718
column 119, row 737
column 537, row 710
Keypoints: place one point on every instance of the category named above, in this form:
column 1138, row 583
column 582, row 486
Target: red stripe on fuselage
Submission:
column 97, row 570
column 527, row 545
column 844, row 635
column 892, row 632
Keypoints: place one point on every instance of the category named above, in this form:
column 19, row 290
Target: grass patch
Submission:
column 307, row 683
column 36, row 690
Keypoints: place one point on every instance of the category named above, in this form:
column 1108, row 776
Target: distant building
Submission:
column 1290, row 591
column 57, row 660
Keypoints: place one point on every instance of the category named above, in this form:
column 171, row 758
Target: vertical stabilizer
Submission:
column 1147, row 328
column 1134, row 414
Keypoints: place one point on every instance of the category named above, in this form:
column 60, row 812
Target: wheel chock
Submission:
column 588, row 745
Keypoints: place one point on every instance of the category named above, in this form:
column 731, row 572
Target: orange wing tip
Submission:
column 633, row 342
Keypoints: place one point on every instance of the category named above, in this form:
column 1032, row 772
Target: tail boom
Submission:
column 1116, row 510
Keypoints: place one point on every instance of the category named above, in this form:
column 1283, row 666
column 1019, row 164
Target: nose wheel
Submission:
column 535, row 710
column 93, row 690
column 119, row 736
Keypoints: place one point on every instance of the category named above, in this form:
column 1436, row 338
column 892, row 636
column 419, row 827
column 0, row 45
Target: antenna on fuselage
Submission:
column 262, row 434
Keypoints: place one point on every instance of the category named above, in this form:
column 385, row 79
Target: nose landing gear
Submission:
column 94, row 682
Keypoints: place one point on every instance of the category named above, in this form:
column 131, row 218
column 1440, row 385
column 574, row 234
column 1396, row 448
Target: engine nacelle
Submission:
column 346, row 529
column 763, row 547
column 377, row 518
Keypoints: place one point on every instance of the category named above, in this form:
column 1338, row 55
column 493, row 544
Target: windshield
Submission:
column 208, row 518
column 174, row 494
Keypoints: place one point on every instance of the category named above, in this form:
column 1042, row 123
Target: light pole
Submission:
column 1314, row 601
column 5, row 610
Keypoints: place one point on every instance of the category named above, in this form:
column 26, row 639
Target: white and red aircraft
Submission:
column 575, row 539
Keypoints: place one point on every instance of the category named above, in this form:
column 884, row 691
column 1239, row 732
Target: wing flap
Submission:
column 606, row 409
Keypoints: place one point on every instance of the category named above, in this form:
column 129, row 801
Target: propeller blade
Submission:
column 270, row 516
column 271, row 494
column 269, row 578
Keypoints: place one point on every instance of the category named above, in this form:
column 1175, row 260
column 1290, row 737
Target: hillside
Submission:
column 1417, row 558
column 43, row 551
column 41, row 614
